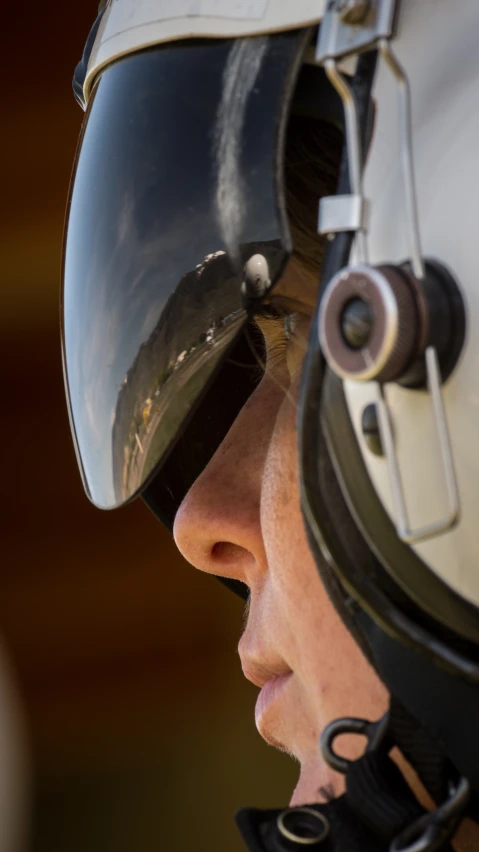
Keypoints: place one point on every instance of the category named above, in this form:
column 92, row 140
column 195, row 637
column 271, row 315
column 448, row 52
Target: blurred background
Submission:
column 125, row 721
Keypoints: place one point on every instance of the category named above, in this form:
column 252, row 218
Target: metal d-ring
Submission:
column 374, row 732
column 298, row 838
column 431, row 830
column 405, row 533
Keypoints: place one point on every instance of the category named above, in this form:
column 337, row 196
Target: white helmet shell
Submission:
column 131, row 25
column 437, row 46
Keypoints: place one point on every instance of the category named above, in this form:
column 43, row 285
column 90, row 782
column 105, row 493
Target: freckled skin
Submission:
column 242, row 519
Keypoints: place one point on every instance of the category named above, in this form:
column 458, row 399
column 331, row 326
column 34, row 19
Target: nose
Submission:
column 217, row 527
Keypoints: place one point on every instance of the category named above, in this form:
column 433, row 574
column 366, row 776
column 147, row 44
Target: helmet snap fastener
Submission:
column 256, row 277
column 369, row 323
column 356, row 323
column 376, row 323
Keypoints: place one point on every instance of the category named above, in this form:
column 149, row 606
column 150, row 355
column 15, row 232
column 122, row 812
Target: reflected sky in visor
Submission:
column 175, row 187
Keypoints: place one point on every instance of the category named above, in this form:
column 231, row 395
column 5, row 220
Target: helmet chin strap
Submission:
column 378, row 812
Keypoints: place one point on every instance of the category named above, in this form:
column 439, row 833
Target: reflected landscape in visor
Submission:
column 176, row 185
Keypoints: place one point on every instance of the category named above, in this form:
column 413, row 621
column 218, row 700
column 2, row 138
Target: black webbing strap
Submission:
column 379, row 811
column 423, row 751
column 346, row 833
column 379, row 795
column 427, row 756
column 379, row 799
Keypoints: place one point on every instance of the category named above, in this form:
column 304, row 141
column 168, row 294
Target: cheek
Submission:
column 281, row 522
column 292, row 572
column 335, row 676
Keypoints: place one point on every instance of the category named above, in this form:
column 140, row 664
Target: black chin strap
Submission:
column 423, row 751
column 265, row 831
column 378, row 812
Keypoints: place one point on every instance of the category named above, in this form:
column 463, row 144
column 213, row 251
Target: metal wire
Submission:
column 405, row 129
column 353, row 141
column 406, row 534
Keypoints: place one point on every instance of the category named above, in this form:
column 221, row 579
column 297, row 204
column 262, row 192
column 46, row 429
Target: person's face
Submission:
column 242, row 519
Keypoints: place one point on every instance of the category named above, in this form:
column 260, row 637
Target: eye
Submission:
column 278, row 329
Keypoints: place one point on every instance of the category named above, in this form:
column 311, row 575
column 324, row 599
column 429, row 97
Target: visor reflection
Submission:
column 164, row 212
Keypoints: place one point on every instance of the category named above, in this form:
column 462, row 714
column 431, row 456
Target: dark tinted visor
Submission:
column 177, row 184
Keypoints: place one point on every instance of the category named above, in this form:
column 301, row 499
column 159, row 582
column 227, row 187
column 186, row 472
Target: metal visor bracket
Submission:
column 351, row 27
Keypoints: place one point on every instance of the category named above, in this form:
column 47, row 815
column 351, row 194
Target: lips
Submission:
column 271, row 674
column 269, row 696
